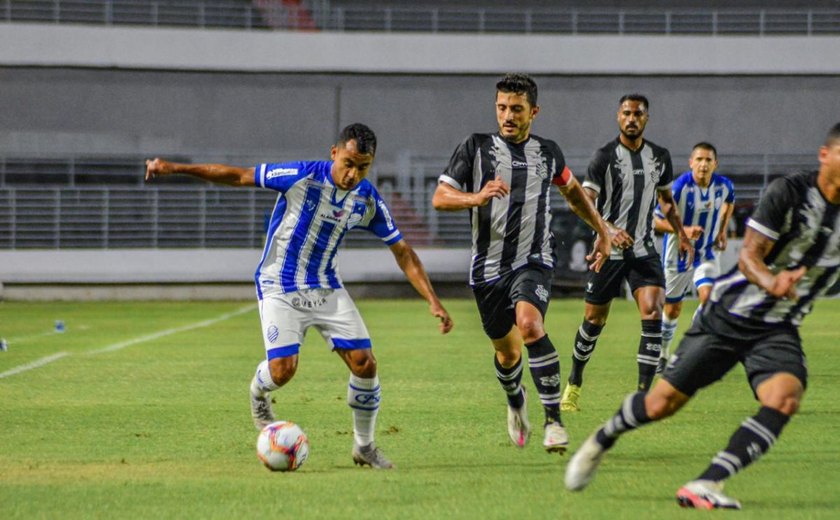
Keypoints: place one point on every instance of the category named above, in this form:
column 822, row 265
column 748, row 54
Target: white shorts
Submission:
column 286, row 318
column 677, row 284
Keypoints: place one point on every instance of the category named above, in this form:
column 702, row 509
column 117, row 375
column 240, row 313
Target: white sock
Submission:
column 669, row 327
column 363, row 398
column 262, row 382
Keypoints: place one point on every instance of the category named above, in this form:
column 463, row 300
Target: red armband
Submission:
column 564, row 178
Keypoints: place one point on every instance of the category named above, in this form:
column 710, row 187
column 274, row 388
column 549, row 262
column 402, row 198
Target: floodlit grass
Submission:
column 159, row 426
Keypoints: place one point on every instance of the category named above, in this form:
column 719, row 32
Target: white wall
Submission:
column 330, row 52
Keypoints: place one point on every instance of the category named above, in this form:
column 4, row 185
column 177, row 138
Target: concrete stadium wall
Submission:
column 70, row 89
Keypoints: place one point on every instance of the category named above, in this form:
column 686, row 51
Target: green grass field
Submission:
column 140, row 410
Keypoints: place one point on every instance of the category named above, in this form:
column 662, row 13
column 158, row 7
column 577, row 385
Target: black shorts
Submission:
column 705, row 354
column 605, row 285
column 497, row 301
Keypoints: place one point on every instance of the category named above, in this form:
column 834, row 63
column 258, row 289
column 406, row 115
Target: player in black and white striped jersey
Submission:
column 626, row 177
column 790, row 256
column 504, row 178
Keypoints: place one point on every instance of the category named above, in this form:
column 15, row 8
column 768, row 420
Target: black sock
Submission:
column 629, row 416
column 650, row 345
column 545, row 370
column 747, row 444
column 585, row 339
column 510, row 379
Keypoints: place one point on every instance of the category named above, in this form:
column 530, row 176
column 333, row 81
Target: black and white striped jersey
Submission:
column 806, row 228
column 515, row 230
column 627, row 184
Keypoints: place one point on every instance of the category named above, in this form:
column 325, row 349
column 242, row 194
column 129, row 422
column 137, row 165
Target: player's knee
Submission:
column 363, row 365
column 531, row 330
column 786, row 404
column 282, row 369
column 663, row 401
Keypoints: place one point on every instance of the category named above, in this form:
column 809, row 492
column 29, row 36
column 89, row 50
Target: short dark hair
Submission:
column 833, row 135
column 518, row 83
column 704, row 145
column 635, row 97
column 364, row 136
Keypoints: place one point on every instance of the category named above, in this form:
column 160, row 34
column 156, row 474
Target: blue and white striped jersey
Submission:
column 309, row 221
column 698, row 207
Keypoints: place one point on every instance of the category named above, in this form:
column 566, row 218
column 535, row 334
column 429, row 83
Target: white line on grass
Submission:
column 167, row 332
column 35, row 364
column 121, row 345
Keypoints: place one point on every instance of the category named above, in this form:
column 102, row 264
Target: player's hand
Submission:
column 156, row 167
column 721, row 241
column 495, row 189
column 686, row 248
column 600, row 253
column 784, row 283
column 445, row 321
column 619, row 238
column 693, row 232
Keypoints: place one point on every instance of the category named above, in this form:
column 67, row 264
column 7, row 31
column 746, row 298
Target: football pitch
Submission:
column 140, row 410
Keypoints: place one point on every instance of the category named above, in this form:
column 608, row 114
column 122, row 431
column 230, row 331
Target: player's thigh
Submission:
column 676, row 285
column 779, row 352
column 340, row 322
column 495, row 308
column 602, row 287
column 700, row 359
column 645, row 272
column 532, row 284
column 283, row 325
column 706, row 272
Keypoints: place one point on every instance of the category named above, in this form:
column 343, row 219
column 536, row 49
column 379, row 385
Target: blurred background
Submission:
column 90, row 89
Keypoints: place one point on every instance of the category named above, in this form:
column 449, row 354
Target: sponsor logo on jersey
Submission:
column 519, row 164
column 281, row 172
column 384, row 209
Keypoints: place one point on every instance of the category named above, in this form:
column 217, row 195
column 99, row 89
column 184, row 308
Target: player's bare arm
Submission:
column 618, row 237
column 663, row 226
column 447, row 198
column 218, row 173
column 751, row 263
column 672, row 215
column 584, row 208
column 413, row 268
column 722, row 239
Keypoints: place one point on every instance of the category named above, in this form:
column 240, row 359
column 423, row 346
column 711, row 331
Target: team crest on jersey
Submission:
column 542, row 293
column 354, row 220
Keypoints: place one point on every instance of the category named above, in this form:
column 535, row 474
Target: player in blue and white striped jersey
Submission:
column 705, row 201
column 298, row 285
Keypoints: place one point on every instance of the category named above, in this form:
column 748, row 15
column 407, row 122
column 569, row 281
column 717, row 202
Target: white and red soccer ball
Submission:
column 282, row 446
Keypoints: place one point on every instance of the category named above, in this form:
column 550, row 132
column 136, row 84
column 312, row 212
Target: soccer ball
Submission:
column 282, row 446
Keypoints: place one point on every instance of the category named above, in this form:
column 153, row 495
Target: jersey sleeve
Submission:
column 597, row 171
column 769, row 217
column 561, row 175
column 730, row 197
column 280, row 176
column 667, row 177
column 378, row 220
column 458, row 172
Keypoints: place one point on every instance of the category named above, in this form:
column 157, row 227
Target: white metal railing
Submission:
column 319, row 15
column 103, row 203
